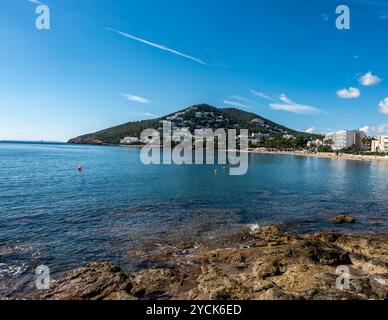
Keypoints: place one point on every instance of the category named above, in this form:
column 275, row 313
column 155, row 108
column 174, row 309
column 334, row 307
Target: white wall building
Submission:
column 346, row 139
column 315, row 143
column 380, row 144
column 129, row 140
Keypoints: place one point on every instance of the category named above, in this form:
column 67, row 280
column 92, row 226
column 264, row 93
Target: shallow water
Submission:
column 51, row 214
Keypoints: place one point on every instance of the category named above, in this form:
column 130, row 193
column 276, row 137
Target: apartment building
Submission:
column 346, row 139
column 380, row 144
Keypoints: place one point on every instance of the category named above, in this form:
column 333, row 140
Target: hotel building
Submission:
column 380, row 144
column 346, row 139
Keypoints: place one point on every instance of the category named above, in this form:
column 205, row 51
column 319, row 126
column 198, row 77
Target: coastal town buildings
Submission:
column 129, row 140
column 315, row 143
column 346, row 139
column 258, row 121
column 380, row 144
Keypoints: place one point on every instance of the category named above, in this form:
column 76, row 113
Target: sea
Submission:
column 51, row 214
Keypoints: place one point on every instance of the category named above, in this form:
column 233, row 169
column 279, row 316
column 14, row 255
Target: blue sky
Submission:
column 104, row 63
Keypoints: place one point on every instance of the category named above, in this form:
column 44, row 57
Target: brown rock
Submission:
column 94, row 281
column 155, row 283
column 282, row 265
column 343, row 219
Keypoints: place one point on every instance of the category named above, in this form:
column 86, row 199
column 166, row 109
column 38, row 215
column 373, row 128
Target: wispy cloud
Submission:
column 369, row 79
column 365, row 129
column 158, row 46
column 380, row 129
column 242, row 99
column 311, row 130
column 351, row 93
column 261, row 95
column 134, row 98
column 146, row 114
column 234, row 104
column 35, row 1
column 286, row 104
column 383, row 106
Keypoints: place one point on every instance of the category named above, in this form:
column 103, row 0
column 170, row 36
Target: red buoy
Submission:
column 80, row 168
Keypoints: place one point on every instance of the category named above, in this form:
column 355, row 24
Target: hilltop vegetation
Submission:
column 195, row 117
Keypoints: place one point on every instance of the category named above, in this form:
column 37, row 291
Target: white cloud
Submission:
column 35, row 1
column 234, row 104
column 293, row 107
column 285, row 99
column 383, row 128
column 299, row 109
column 136, row 99
column 311, row 130
column 242, row 99
column 146, row 114
column 383, row 106
column 158, row 46
column 379, row 130
column 262, row 95
column 365, row 129
column 369, row 79
column 350, row 93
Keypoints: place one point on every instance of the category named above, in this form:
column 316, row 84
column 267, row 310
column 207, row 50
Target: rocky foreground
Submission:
column 262, row 263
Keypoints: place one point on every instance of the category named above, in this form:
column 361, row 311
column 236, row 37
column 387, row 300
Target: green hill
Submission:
column 195, row 117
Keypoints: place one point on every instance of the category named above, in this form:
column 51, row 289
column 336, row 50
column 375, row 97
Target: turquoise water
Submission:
column 51, row 214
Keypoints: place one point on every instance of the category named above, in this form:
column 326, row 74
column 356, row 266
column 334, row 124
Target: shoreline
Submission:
column 257, row 263
column 325, row 155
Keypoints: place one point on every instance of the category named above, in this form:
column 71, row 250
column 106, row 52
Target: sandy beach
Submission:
column 327, row 155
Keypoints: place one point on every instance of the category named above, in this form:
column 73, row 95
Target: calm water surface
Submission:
column 51, row 214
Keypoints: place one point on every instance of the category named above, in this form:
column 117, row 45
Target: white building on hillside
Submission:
column 346, row 139
column 380, row 144
column 315, row 143
column 129, row 140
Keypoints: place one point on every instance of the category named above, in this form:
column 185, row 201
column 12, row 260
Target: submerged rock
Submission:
column 343, row 219
column 267, row 263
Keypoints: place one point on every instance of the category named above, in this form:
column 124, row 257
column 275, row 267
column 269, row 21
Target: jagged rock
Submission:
column 155, row 283
column 379, row 285
column 277, row 294
column 94, row 281
column 267, row 268
column 120, row 295
column 368, row 264
column 325, row 254
column 343, row 219
column 214, row 284
column 336, row 294
column 267, row 263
